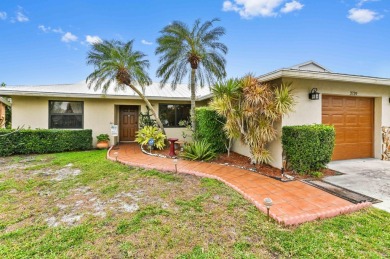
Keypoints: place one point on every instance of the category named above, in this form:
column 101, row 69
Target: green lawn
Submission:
column 81, row 205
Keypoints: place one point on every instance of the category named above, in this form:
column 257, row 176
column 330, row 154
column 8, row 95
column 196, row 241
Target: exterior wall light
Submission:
column 314, row 95
column 268, row 204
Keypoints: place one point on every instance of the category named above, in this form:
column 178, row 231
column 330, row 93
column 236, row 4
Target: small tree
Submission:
column 251, row 108
column 117, row 62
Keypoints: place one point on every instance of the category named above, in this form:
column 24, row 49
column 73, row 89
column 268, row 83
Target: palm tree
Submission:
column 117, row 62
column 196, row 49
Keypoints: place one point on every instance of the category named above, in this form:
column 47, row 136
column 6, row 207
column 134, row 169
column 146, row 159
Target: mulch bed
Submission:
column 236, row 159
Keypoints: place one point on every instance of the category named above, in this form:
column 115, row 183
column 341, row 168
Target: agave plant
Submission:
column 150, row 132
column 251, row 108
column 199, row 150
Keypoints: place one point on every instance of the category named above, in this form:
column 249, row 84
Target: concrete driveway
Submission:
column 368, row 176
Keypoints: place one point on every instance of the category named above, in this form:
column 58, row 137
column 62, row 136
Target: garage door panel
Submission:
column 353, row 120
column 366, row 149
column 340, row 137
column 365, row 120
column 325, row 118
column 351, row 103
column 365, row 104
column 337, row 102
column 337, row 119
column 365, row 135
column 351, row 136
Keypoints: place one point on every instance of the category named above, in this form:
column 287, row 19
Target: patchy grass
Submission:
column 78, row 204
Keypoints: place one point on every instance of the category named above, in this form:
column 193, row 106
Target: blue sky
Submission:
column 46, row 42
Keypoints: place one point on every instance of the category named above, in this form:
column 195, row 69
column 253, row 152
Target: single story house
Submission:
column 357, row 105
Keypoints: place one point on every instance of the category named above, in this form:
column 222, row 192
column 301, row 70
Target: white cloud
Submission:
column 43, row 28
column 58, row 30
column 229, row 6
column 93, row 39
column 362, row 2
column 68, row 37
column 265, row 8
column 3, row 15
column 363, row 15
column 145, row 42
column 20, row 16
column 49, row 29
column 292, row 6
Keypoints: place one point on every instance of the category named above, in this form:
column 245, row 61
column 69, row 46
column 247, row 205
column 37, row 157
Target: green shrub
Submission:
column 149, row 132
column 43, row 141
column 308, row 148
column 209, row 127
column 199, row 150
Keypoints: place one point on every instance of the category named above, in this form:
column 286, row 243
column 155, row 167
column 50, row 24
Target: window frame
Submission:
column 175, row 105
column 66, row 114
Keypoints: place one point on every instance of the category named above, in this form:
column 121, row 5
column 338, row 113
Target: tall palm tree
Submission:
column 196, row 50
column 116, row 62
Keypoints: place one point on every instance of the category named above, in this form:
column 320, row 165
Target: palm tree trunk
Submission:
column 150, row 107
column 193, row 126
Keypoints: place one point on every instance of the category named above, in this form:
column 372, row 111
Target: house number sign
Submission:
column 353, row 93
column 114, row 130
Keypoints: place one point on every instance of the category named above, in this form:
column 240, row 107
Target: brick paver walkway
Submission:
column 294, row 202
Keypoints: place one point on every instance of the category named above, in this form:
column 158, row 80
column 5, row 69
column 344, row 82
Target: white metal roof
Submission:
column 312, row 70
column 306, row 70
column 310, row 66
column 152, row 92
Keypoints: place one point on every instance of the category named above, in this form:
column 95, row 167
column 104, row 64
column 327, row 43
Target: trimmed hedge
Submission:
column 308, row 148
column 209, row 127
column 43, row 141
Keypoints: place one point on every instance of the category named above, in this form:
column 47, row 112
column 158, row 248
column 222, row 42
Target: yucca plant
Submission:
column 149, row 132
column 251, row 108
column 199, row 150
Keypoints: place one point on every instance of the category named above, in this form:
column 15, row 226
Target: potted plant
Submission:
column 148, row 133
column 103, row 141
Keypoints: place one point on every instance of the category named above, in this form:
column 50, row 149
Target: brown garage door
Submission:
column 353, row 118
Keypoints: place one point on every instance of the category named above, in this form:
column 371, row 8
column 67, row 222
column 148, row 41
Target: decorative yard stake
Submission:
column 151, row 144
column 175, row 163
column 268, row 204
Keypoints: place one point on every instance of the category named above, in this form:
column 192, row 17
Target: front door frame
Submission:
column 137, row 108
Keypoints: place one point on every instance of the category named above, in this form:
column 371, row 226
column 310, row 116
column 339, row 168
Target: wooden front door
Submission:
column 353, row 119
column 128, row 122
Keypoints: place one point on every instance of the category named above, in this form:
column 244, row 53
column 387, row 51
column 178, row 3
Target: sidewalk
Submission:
column 293, row 202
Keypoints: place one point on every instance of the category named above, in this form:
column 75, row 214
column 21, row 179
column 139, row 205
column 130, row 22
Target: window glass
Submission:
column 65, row 115
column 171, row 114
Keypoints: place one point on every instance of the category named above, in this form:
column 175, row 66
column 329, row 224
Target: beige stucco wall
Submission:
column 309, row 112
column 99, row 114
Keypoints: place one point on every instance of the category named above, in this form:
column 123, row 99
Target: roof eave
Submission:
column 323, row 76
column 89, row 96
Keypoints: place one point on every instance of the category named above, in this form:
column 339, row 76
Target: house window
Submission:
column 66, row 115
column 171, row 114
